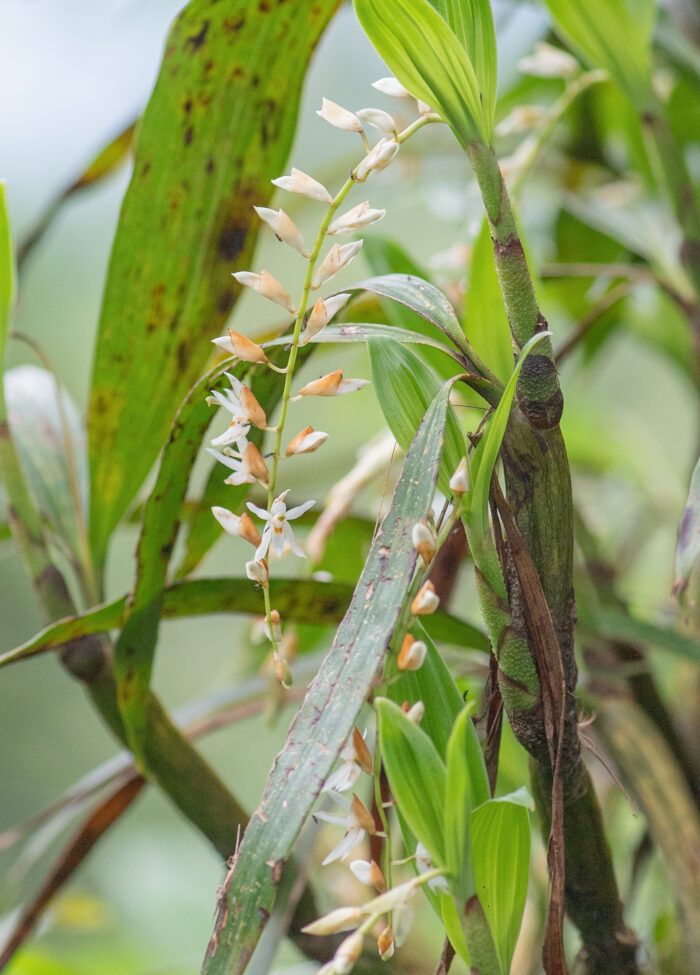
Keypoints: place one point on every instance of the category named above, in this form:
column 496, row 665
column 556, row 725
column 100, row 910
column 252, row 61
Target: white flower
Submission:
column 283, row 228
column 423, row 538
column 338, row 257
column 459, row 482
column 277, row 530
column 305, row 185
column 424, row 864
column 306, row 442
column 379, row 119
column 356, row 758
column 426, row 600
column 549, row 62
column 248, row 465
column 360, row 216
column 341, row 118
column 341, row 919
column 377, row 158
column 257, row 571
column 244, row 409
column 357, row 822
column 267, row 286
column 390, row 86
column 321, row 314
column 332, row 384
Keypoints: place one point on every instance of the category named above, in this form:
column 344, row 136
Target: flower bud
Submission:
column 369, row 873
column 379, row 119
column 415, row 713
column 305, row 185
column 332, row 384
column 242, row 527
column 321, row 314
column 267, row 286
column 361, row 751
column 276, row 626
column 412, row 653
column 337, row 258
column 306, row 442
column 253, row 409
column 363, row 817
column 426, row 600
column 283, row 671
column 360, row 216
column 341, row 118
column 342, row 919
column 258, row 572
column 459, row 482
column 283, row 228
column 390, row 86
column 423, row 538
column 348, row 953
column 385, row 944
column 377, row 158
column 240, row 346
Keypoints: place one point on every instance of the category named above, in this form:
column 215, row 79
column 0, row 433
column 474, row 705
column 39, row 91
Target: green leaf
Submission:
column 332, row 703
column 218, row 126
column 434, row 685
column 300, row 600
column 688, row 544
column 364, row 331
column 416, row 775
column 467, row 787
column 501, row 854
column 594, row 29
column 6, row 271
column 472, row 24
column 486, row 322
column 453, row 927
column 486, row 452
column 428, row 59
column 405, row 387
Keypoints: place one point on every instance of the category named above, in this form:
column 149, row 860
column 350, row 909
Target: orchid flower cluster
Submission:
column 233, row 448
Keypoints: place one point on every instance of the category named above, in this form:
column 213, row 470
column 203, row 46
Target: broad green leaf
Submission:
column 467, row 787
column 217, row 128
column 688, row 544
column 405, row 387
column 501, row 854
column 453, row 927
column 595, row 28
column 48, row 434
column 486, row 452
column 416, row 775
column 300, row 600
column 472, row 24
column 486, row 322
column 6, row 272
column 434, row 685
column 330, row 708
column 427, row 58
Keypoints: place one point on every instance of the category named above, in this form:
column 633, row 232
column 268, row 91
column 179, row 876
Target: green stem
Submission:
column 539, row 395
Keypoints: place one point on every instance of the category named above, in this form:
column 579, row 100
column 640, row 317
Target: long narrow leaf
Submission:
column 218, row 127
column 331, row 706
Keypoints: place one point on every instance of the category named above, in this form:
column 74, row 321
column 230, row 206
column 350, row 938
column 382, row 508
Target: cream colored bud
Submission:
column 363, row 817
column 378, row 119
column 258, row 572
column 342, row 919
column 305, row 185
column 253, row 460
column 321, row 314
column 245, row 349
column 426, row 600
column 377, row 158
column 247, row 530
column 337, row 258
column 363, row 756
column 341, row 118
column 415, row 713
column 283, row 671
column 276, row 626
column 306, row 442
column 385, row 944
column 412, row 653
column 459, row 482
column 423, row 538
column 369, row 873
column 242, row 527
column 348, row 952
column 267, row 286
column 549, row 62
column 390, row 86
column 283, row 228
column 253, row 410
column 332, row 384
column 360, row 216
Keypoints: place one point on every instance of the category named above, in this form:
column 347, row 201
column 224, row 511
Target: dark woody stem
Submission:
column 538, row 392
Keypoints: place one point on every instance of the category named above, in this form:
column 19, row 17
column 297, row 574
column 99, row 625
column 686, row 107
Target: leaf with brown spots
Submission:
column 208, row 145
column 331, row 706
